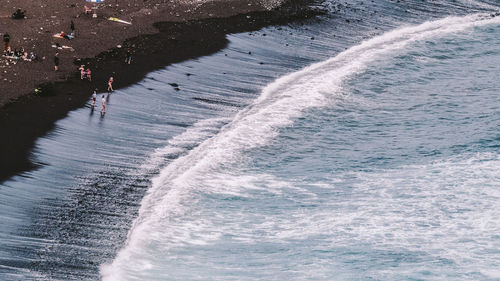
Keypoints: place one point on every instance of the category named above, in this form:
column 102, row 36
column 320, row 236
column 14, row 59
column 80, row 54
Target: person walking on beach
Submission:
column 72, row 26
column 94, row 98
column 103, row 110
column 6, row 41
column 128, row 58
column 56, row 62
column 89, row 74
column 110, row 84
column 82, row 71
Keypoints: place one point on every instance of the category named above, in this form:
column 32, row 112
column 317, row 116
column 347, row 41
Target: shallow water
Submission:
column 379, row 160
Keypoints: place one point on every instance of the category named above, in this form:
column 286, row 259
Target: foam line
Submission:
column 278, row 105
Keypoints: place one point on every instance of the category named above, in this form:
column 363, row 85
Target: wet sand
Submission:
column 164, row 36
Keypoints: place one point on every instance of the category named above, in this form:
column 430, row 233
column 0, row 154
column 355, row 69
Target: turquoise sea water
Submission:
column 365, row 152
column 391, row 173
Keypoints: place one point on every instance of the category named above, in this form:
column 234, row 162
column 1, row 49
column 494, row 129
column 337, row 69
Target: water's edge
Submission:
column 31, row 117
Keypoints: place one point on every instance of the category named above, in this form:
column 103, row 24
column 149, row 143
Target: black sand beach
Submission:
column 29, row 117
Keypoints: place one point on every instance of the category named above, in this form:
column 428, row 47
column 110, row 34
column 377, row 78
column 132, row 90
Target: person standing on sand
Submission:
column 103, row 110
column 94, row 98
column 6, row 41
column 110, row 84
column 72, row 26
column 82, row 71
column 89, row 74
column 56, row 62
column 128, row 59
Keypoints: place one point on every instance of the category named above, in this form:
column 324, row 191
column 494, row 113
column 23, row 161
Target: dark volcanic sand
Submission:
column 30, row 117
column 93, row 35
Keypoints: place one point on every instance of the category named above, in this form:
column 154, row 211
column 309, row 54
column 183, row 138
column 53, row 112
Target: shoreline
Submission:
column 30, row 117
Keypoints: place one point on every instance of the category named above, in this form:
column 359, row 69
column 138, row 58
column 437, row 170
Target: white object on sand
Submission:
column 118, row 20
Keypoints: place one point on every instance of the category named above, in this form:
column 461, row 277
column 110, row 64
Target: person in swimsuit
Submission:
column 89, row 74
column 82, row 71
column 94, row 98
column 103, row 104
column 110, row 84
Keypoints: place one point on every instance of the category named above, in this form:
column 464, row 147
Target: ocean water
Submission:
column 362, row 145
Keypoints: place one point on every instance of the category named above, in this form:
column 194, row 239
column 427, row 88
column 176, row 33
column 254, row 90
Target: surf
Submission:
column 278, row 105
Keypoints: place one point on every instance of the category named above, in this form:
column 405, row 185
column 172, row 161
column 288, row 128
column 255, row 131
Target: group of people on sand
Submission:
column 20, row 54
column 70, row 36
column 16, row 54
column 94, row 100
column 85, row 73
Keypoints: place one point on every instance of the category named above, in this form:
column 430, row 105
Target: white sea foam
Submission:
column 192, row 137
column 172, row 193
column 444, row 210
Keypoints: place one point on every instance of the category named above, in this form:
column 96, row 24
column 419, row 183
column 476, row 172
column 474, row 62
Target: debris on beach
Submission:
column 118, row 20
column 63, row 47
